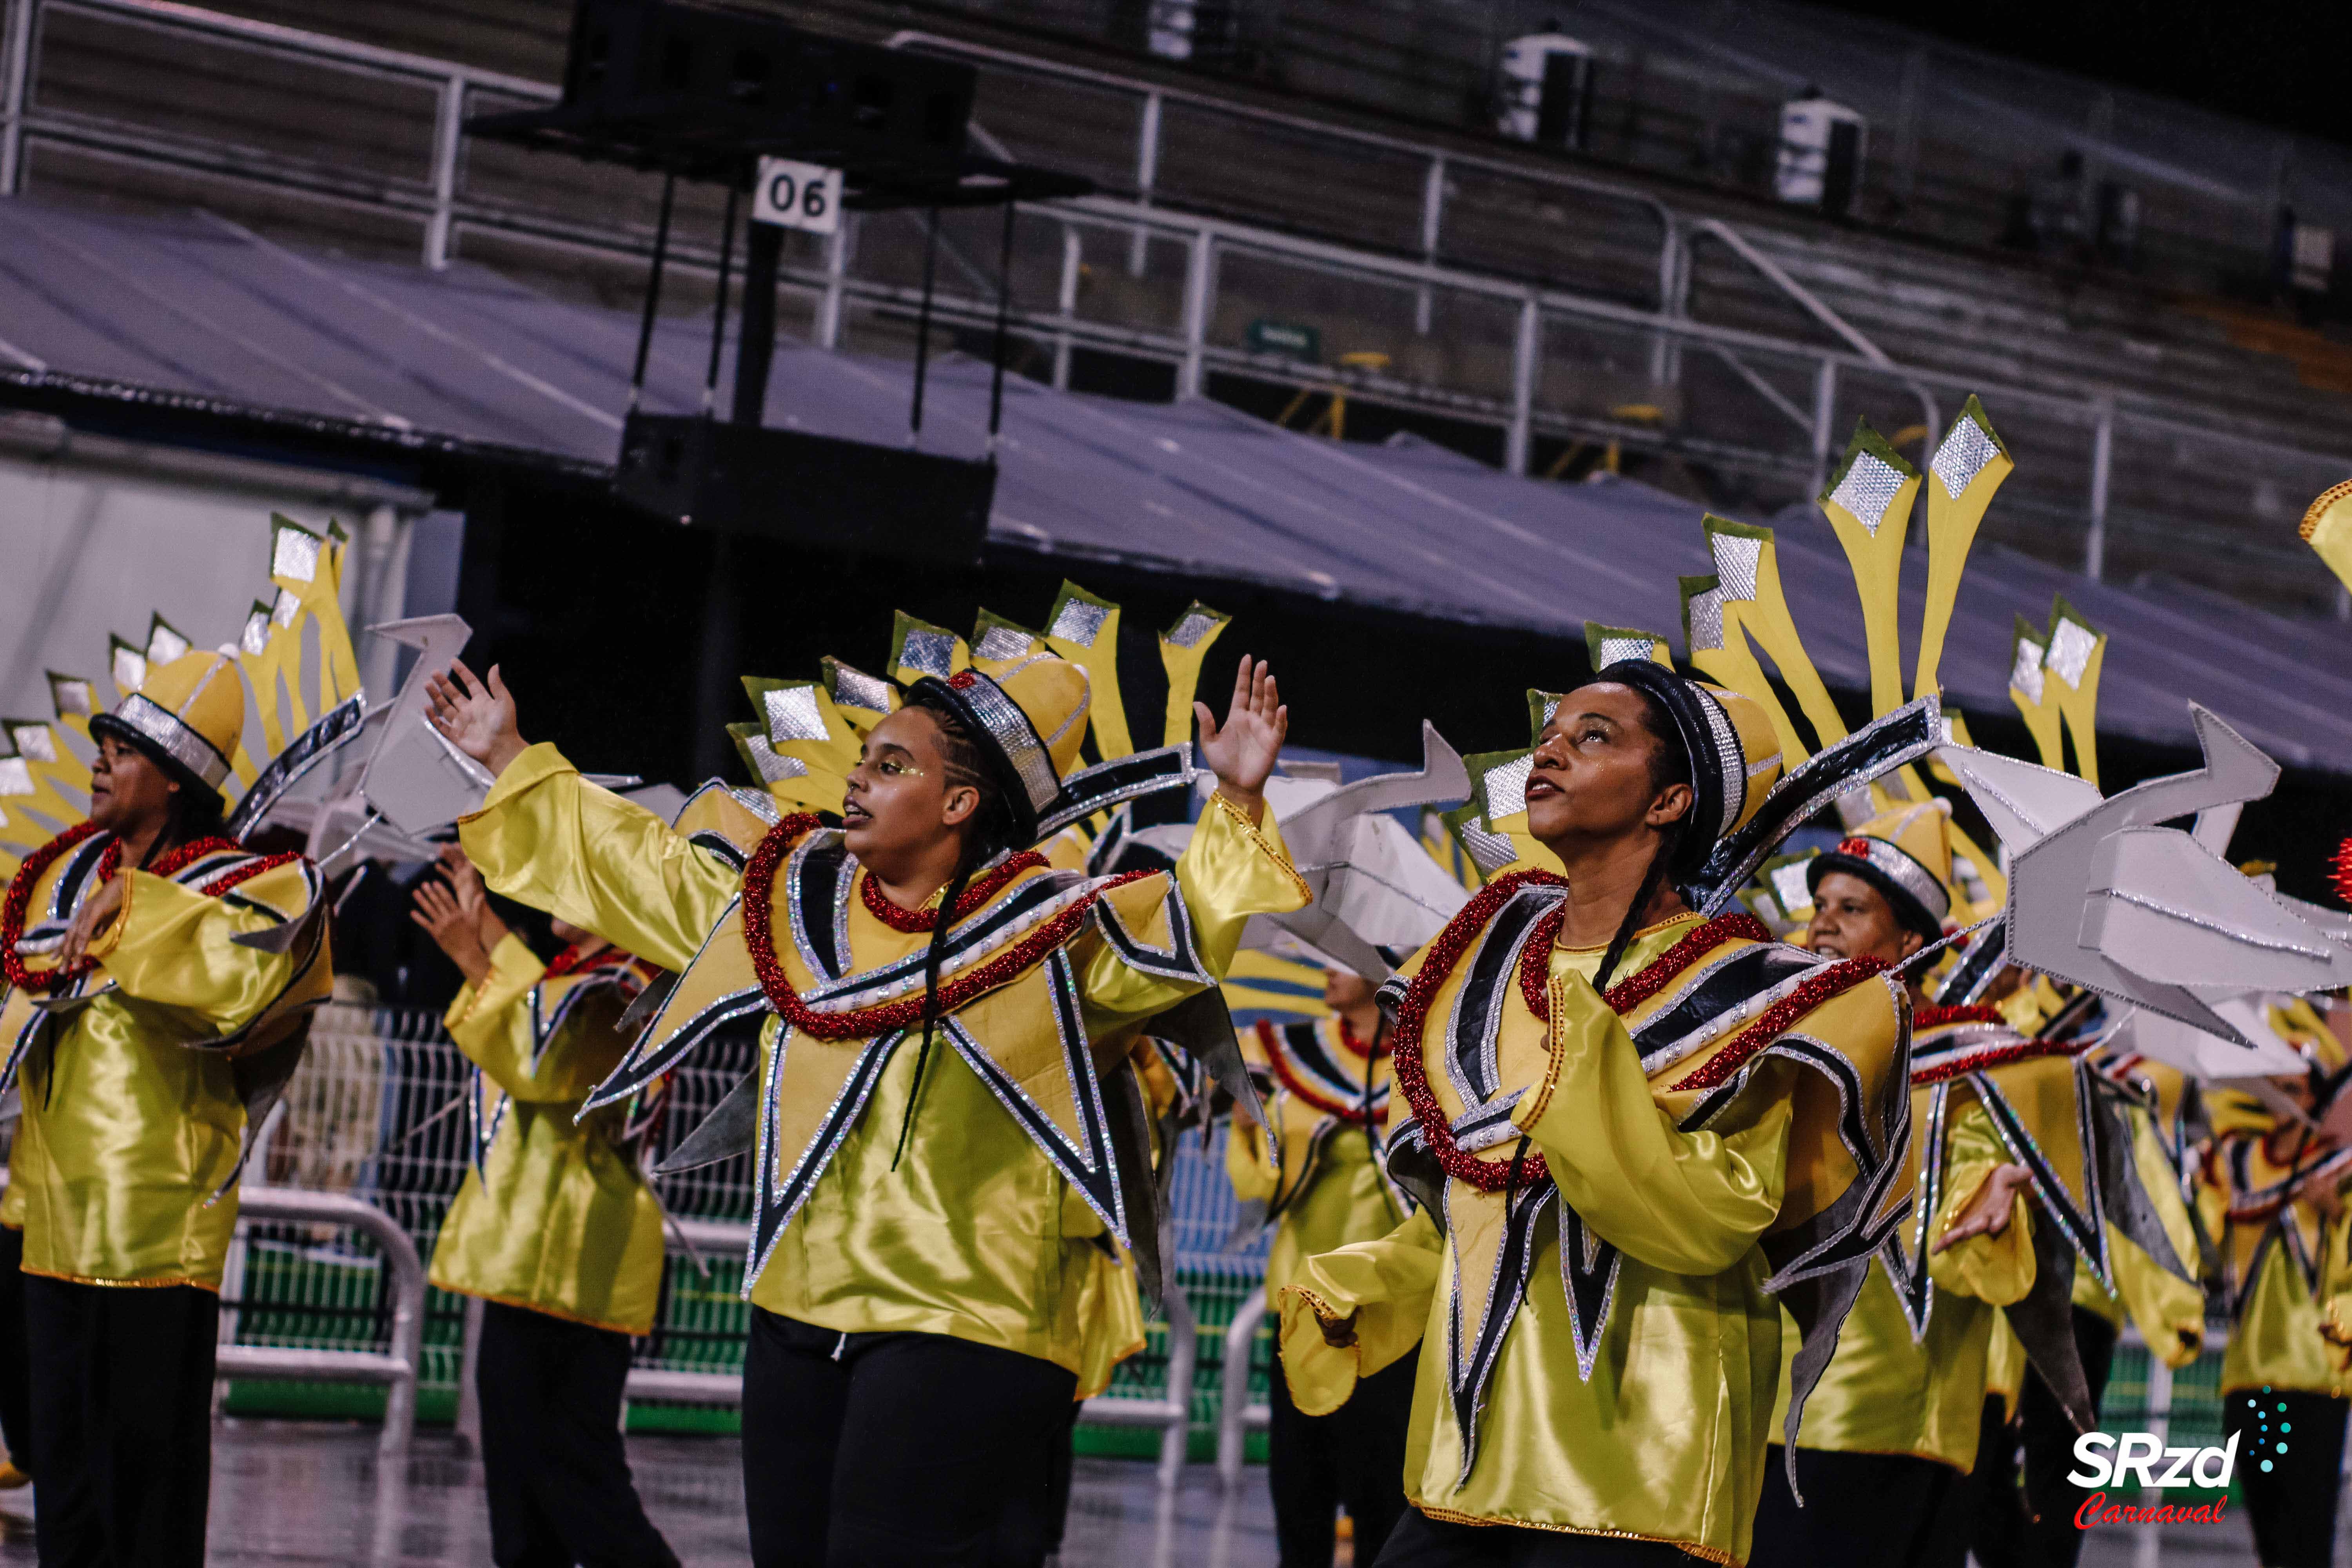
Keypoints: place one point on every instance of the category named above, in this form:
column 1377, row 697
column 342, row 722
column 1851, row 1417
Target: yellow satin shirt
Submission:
column 557, row 1219
column 129, row 1125
column 1345, row 1198
column 1665, row 1440
column 1886, row 1393
column 974, row 1234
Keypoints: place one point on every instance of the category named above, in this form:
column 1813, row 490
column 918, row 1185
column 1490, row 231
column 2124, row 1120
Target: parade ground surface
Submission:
column 294, row 1493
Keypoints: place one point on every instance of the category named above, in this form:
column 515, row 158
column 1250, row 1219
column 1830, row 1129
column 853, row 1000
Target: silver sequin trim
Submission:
column 294, row 554
column 1867, row 491
column 284, row 608
column 856, row 689
column 1789, row 886
column 16, row 776
column 1962, row 457
column 1891, row 862
column 1705, row 621
column 1615, row 649
column 164, row 644
column 1506, row 788
column 71, row 696
column 1192, row 628
column 1730, row 760
column 183, row 745
column 34, row 742
column 1016, row 737
column 1079, row 622
column 772, row 768
column 1737, row 559
column 2071, row 650
column 793, row 714
column 1003, row 642
column 1491, row 851
column 129, row 668
column 933, row 653
column 2191, row 917
column 2026, row 673
column 255, row 638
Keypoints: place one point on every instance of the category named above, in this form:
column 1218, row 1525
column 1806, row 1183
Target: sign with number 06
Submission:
column 797, row 196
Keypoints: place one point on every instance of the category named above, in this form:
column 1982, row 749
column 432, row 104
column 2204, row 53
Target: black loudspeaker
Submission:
column 812, row 489
column 645, row 75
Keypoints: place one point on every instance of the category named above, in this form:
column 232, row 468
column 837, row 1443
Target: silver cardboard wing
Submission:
column 2100, row 896
column 416, row 780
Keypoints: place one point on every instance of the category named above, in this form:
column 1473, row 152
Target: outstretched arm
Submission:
column 554, row 841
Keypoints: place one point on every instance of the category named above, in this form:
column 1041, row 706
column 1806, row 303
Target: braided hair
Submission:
column 1670, row 763
column 987, row 833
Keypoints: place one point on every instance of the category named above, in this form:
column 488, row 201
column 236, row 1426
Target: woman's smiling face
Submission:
column 1594, row 773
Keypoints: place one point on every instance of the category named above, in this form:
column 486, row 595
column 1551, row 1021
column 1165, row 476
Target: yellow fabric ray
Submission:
column 1966, row 471
column 1604, row 646
column 1084, row 629
column 2029, row 688
column 1183, row 647
column 1718, row 649
column 2071, row 680
column 1747, row 567
column 1868, row 503
column 919, row 648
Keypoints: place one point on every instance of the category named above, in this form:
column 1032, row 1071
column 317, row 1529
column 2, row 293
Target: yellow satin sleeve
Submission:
column 1390, row 1284
column 547, row 837
column 1995, row 1270
column 173, row 947
column 1248, row 1164
column 2278, row 1340
column 1687, row 1203
column 490, row 1022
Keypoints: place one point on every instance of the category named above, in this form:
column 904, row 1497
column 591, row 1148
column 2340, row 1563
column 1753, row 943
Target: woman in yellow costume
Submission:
column 554, row 1228
column 1630, row 1127
column 1318, row 1181
column 152, row 961
column 935, row 1149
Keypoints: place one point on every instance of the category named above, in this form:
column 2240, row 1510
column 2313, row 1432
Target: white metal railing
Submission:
column 1236, row 1417
column 2096, row 410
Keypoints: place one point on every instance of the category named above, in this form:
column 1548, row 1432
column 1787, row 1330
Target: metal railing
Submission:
column 1236, row 1415
column 1799, row 396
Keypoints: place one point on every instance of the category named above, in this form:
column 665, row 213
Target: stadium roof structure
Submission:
column 195, row 312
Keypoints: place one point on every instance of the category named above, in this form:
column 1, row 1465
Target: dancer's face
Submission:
column 127, row 788
column 900, row 804
column 1592, row 779
column 1852, row 919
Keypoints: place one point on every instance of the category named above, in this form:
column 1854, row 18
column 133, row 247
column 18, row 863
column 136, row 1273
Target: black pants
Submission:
column 553, row 1461
column 122, row 1397
column 16, row 1360
column 1037, row 1513
column 1861, row 1510
column 1354, row 1455
column 887, row 1449
column 1981, row 1510
column 2048, row 1538
column 1421, row 1541
column 2291, row 1505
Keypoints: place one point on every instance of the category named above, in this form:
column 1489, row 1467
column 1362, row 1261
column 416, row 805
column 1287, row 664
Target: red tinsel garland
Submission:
column 170, row 864
column 1999, row 1057
column 1353, row 1113
column 1355, row 1043
column 900, row 918
column 1937, row 1017
column 577, row 959
column 865, row 1023
column 1810, row 993
column 1446, row 950
column 2340, row 870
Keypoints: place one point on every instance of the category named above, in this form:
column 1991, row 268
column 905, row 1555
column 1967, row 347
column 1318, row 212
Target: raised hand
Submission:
column 473, row 897
column 450, row 927
column 477, row 719
column 1243, row 749
column 1988, row 1214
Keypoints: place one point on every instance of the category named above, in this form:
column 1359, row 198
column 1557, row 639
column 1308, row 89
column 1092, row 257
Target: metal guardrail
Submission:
column 396, row 1368
column 1236, row 1417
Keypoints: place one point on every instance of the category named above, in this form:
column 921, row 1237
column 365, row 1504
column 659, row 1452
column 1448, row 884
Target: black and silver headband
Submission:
column 156, row 729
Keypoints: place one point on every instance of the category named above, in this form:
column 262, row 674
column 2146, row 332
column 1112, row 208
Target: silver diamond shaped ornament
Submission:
column 1867, row 489
column 1079, row 622
column 2071, row 650
column 1962, row 457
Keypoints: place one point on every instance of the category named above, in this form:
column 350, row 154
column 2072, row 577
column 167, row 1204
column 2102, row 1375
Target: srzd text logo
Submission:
column 2109, row 1458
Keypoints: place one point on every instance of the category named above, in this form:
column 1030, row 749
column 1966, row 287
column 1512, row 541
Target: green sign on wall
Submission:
column 1288, row 339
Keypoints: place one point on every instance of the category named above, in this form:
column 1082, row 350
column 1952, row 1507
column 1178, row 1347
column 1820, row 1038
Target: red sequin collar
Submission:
column 1937, row 1017
column 1446, row 950
column 171, row 863
column 975, row 897
column 865, row 1023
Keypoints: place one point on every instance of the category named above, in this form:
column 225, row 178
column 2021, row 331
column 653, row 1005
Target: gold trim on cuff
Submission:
column 1250, row 831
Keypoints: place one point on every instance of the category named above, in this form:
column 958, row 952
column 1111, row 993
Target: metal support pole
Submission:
column 1824, row 420
column 653, row 291
column 923, row 327
column 1066, row 301
column 718, row 310
column 1200, row 287
column 449, row 140
column 1147, row 173
column 2102, row 451
column 996, row 348
column 2148, row 1551
column 1526, row 354
column 755, row 336
column 836, row 269
column 1433, row 218
column 470, row 1396
column 16, row 94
